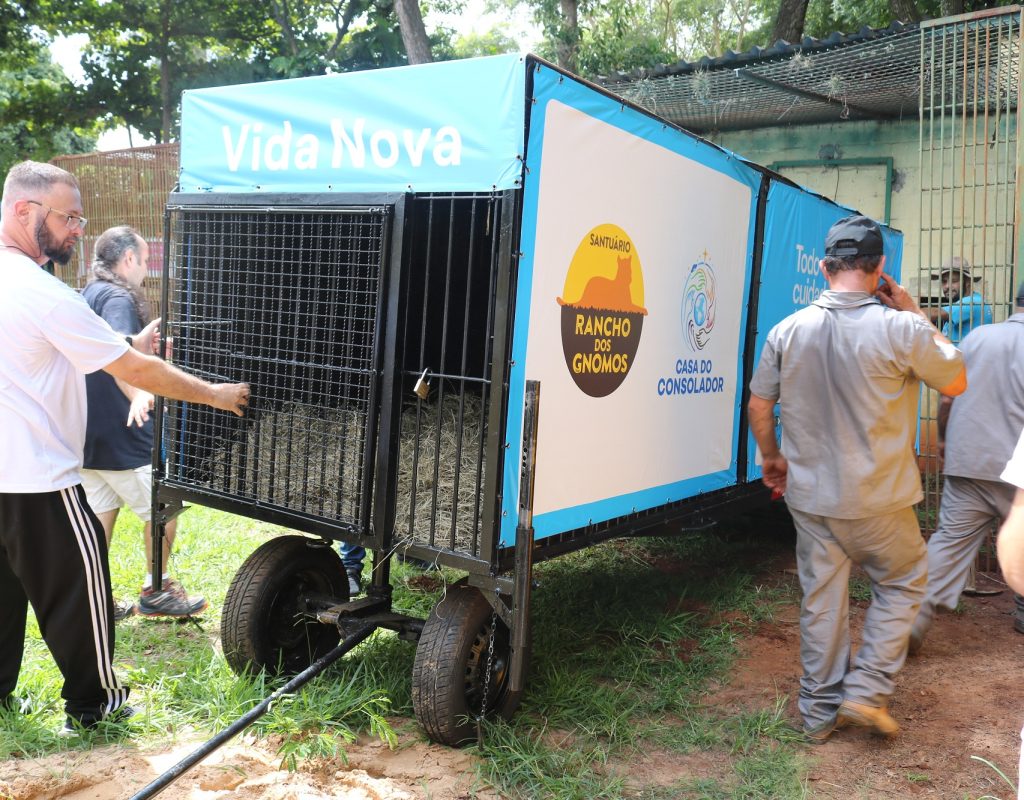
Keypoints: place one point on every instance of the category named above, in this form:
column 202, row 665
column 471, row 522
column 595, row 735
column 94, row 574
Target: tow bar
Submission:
column 359, row 633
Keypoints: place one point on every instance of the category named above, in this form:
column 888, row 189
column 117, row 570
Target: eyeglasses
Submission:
column 74, row 223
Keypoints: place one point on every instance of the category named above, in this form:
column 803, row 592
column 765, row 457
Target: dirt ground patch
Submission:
column 959, row 698
column 248, row 770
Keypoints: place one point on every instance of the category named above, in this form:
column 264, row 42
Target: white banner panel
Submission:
column 636, row 307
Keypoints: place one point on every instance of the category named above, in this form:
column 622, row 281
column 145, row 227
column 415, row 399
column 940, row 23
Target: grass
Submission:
column 628, row 637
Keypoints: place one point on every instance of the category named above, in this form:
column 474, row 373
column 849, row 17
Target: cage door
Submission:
column 290, row 300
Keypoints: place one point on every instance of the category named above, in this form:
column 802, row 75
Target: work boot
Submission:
column 922, row 622
column 819, row 734
column 864, row 716
column 170, row 601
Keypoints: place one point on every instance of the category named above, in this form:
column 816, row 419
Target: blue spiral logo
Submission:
column 698, row 311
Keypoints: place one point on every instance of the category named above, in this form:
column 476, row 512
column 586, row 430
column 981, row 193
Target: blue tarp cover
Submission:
column 451, row 126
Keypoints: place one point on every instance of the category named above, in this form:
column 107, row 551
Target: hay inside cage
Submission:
column 309, row 459
column 441, row 473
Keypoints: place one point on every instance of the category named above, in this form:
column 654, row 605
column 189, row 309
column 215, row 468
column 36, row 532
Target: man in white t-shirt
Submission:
column 52, row 549
column 1010, row 549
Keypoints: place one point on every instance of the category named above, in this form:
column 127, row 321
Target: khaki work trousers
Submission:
column 969, row 510
column 892, row 552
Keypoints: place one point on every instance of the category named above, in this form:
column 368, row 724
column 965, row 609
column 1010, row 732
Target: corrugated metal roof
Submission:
column 873, row 74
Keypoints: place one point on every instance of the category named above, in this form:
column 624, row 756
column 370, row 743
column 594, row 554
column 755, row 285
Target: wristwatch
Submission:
column 129, row 340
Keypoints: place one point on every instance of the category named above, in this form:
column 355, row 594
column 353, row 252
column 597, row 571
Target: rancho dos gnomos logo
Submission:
column 603, row 310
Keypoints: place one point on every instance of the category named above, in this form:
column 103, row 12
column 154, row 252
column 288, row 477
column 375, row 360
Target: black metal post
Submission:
column 524, row 540
column 156, row 522
column 304, row 677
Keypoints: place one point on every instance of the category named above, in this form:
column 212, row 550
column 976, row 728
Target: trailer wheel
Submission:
column 451, row 663
column 263, row 626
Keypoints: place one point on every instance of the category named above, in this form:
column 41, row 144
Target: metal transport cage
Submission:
column 481, row 327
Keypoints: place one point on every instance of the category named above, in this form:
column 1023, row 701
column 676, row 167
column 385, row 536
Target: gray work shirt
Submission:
column 846, row 371
column 986, row 420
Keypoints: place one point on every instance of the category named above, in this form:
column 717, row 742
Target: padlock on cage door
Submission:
column 422, row 387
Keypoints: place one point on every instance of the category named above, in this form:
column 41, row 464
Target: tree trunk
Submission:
column 283, row 18
column 342, row 21
column 789, row 24
column 906, row 10
column 414, row 34
column 567, row 43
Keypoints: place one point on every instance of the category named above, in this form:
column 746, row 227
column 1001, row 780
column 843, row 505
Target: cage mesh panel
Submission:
column 449, row 319
column 880, row 77
column 287, row 301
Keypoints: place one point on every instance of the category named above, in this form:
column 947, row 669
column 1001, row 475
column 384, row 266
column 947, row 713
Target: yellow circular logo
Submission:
column 602, row 310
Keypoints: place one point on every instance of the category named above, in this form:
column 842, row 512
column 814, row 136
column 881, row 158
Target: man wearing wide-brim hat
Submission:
column 965, row 308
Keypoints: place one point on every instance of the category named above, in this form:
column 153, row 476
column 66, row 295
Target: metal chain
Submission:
column 488, row 669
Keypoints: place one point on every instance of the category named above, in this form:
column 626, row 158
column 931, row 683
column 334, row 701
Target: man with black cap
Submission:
column 846, row 371
column 977, row 433
column 965, row 308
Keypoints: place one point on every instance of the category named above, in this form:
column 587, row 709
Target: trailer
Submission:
column 490, row 314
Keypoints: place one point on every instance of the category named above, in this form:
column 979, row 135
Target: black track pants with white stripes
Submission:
column 53, row 555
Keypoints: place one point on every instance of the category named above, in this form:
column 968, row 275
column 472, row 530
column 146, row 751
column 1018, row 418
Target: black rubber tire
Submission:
column 261, row 625
column 451, row 660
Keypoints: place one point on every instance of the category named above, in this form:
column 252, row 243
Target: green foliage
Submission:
column 630, row 34
column 141, row 54
column 636, row 34
column 625, row 645
column 38, row 115
column 489, row 43
column 620, row 36
column 849, row 16
column 628, row 637
column 533, row 764
column 711, row 28
column 999, row 772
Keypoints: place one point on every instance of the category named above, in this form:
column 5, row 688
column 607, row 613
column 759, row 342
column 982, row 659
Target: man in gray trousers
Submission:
column 846, row 372
column 976, row 438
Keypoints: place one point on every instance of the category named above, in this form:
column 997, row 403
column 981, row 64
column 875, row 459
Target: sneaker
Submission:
column 877, row 719
column 16, row 705
column 354, row 581
column 1018, row 624
column 123, row 609
column 170, row 601
column 73, row 726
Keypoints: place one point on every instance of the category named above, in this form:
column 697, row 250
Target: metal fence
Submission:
column 123, row 187
column 970, row 74
column 968, row 150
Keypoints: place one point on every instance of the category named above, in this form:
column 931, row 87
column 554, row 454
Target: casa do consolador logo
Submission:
column 603, row 310
column 698, row 311
column 693, row 371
